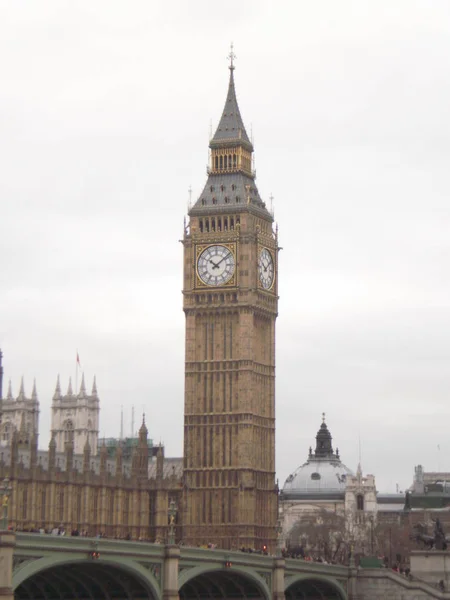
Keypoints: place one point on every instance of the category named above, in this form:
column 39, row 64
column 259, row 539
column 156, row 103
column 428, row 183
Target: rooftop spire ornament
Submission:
column 232, row 56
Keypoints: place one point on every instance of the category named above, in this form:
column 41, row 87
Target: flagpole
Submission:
column 76, row 375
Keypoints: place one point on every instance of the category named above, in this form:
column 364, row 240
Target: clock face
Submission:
column 216, row 265
column 266, row 269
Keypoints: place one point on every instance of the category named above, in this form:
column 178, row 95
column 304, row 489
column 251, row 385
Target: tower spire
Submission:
column 9, row 395
column 34, row 392
column 231, row 178
column 57, row 394
column 69, row 389
column 231, row 127
column 82, row 391
column 21, row 395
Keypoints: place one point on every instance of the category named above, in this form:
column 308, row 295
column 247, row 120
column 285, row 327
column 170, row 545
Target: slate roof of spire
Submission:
column 233, row 191
column 231, row 126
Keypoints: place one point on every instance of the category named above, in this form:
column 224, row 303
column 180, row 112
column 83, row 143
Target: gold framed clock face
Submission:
column 216, row 265
column 266, row 269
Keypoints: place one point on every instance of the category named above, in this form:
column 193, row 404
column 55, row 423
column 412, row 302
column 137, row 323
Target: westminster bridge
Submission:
column 47, row 567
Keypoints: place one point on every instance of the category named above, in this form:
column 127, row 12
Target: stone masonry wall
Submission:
column 383, row 584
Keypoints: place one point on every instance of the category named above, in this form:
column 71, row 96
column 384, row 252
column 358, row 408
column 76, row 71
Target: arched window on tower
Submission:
column 360, row 502
column 7, row 432
column 68, row 431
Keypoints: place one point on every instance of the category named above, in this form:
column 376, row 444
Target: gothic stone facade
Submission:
column 116, row 498
column 230, row 303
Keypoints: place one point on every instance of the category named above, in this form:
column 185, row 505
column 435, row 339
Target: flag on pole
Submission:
column 78, row 360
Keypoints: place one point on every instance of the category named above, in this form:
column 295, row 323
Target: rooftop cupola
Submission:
column 324, row 448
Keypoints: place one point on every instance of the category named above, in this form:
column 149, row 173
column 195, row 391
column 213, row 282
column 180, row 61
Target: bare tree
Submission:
column 320, row 535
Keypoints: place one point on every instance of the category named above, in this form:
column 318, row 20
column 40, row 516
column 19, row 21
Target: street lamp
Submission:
column 172, row 515
column 6, row 492
column 279, row 531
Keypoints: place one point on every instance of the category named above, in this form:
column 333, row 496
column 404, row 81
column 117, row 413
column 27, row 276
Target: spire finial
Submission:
column 21, row 395
column 9, row 395
column 323, row 417
column 82, row 391
column 232, row 56
column 34, row 392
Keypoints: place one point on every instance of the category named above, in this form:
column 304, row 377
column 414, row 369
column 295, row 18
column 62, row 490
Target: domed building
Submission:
column 319, row 484
column 325, row 507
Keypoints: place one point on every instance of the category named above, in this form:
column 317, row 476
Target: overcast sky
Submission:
column 105, row 113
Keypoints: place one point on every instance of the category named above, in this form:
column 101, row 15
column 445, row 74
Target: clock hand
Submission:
column 226, row 256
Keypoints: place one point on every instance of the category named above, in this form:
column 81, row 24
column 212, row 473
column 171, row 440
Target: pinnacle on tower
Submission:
column 21, row 395
column 359, row 472
column 52, row 443
column 69, row 389
column 82, row 391
column 231, row 126
column 94, row 387
column 9, row 395
column 34, row 392
column 143, row 431
column 57, row 394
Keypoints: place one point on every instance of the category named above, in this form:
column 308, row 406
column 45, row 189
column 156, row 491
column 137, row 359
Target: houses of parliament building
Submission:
column 224, row 486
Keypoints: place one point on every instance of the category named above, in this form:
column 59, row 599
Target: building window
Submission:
column 68, row 431
column 360, row 502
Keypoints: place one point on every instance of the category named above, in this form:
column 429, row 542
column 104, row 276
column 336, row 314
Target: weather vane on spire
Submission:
column 232, row 56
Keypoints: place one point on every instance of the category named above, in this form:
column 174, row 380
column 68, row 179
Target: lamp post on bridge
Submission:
column 6, row 493
column 279, row 531
column 172, row 515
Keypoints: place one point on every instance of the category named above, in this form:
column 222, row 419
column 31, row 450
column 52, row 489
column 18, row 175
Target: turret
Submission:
column 103, row 458
column 14, row 449
column 33, row 450
column 160, row 463
column 69, row 456
column 140, row 454
column 52, row 453
column 86, row 457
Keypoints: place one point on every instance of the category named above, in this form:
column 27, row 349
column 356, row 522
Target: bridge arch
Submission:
column 112, row 577
column 221, row 583
column 314, row 585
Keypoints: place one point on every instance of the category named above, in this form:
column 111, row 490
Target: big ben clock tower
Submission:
column 230, row 302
